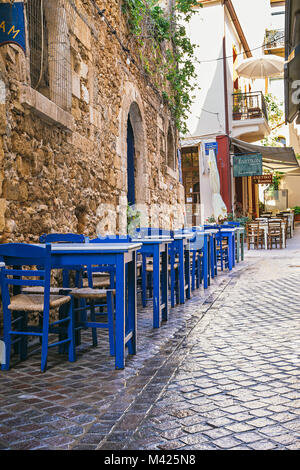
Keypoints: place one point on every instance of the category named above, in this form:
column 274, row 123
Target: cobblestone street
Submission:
column 222, row 373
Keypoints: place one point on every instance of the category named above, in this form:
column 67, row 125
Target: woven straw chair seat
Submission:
column 35, row 303
column 97, row 282
column 224, row 247
column 89, row 293
column 40, row 290
column 149, row 267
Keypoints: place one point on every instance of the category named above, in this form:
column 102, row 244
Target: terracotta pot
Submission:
column 297, row 217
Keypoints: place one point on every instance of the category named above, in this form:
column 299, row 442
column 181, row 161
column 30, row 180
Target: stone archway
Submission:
column 132, row 109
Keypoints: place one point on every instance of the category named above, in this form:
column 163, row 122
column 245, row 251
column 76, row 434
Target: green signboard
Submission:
column 247, row 165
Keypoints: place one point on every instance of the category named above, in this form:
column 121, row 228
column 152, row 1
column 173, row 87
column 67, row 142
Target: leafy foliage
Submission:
column 172, row 53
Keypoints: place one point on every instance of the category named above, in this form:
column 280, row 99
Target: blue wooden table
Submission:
column 182, row 246
column 213, row 266
column 118, row 255
column 156, row 248
column 205, row 249
column 229, row 233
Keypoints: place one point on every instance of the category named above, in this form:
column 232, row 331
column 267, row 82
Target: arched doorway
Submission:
column 130, row 164
column 135, row 156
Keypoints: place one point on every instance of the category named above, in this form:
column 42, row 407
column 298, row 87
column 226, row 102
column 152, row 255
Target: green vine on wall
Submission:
column 162, row 35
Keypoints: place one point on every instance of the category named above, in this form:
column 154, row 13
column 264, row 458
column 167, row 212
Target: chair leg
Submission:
column 45, row 340
column 93, row 319
column 111, row 324
column 7, row 338
column 71, row 332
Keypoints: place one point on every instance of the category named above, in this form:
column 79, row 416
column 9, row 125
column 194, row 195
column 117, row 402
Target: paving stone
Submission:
column 218, row 375
column 226, row 442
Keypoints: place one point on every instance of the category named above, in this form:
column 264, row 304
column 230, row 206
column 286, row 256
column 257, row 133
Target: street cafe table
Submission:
column 182, row 245
column 264, row 225
column 156, row 247
column 213, row 267
column 229, row 233
column 119, row 255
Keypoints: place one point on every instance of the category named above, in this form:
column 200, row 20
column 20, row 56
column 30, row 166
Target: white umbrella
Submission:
column 219, row 207
column 261, row 67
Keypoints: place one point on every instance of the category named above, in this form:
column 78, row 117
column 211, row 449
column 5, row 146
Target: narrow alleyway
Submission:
column 222, row 373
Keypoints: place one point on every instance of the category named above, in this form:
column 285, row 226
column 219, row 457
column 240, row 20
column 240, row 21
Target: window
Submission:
column 49, row 44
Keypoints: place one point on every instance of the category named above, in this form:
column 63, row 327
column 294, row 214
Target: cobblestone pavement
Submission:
column 222, row 373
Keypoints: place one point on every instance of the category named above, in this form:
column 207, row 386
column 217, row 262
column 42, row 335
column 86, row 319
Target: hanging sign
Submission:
column 247, row 165
column 211, row 145
column 263, row 179
column 12, row 24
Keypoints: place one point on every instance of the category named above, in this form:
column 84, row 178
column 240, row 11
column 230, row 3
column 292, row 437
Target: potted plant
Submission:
column 296, row 210
column 237, row 105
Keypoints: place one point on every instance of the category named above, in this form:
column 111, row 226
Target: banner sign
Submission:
column 211, row 145
column 263, row 179
column 12, row 24
column 247, row 165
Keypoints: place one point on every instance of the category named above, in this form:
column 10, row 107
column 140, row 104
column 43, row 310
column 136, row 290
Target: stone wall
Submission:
column 65, row 170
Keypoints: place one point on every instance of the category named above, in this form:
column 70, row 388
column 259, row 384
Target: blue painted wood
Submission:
column 115, row 254
column 164, row 284
column 17, row 254
column 205, row 262
column 156, row 287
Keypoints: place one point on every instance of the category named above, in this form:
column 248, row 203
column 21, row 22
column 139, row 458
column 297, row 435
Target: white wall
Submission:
column 206, row 29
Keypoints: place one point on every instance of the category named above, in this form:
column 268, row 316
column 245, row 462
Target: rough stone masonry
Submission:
column 64, row 108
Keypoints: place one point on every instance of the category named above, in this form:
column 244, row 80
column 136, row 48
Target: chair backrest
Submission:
column 275, row 226
column 18, row 255
column 62, row 238
column 253, row 228
column 233, row 224
column 112, row 239
column 153, row 231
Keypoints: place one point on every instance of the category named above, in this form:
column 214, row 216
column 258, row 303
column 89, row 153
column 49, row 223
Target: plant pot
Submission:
column 297, row 217
column 237, row 116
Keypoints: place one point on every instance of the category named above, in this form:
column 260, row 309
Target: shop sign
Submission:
column 247, row 165
column 263, row 179
column 12, row 25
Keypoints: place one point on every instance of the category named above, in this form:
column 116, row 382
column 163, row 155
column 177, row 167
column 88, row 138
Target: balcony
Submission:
column 274, row 41
column 250, row 116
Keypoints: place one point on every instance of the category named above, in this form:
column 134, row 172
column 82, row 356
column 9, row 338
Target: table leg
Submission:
column 181, row 272
column 212, row 257
column 233, row 248
column 187, row 273
column 164, row 283
column 156, row 288
column 120, row 312
column 144, row 280
column 132, row 305
column 231, row 252
column 173, row 281
column 243, row 247
column 238, row 246
column 205, row 263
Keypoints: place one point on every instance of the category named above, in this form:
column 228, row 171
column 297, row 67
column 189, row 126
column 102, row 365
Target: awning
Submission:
column 190, row 142
column 274, row 158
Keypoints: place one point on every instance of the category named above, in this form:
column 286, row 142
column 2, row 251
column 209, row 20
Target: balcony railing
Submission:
column 249, row 106
column 274, row 39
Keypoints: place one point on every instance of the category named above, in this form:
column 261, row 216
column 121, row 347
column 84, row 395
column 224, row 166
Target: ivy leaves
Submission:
column 173, row 53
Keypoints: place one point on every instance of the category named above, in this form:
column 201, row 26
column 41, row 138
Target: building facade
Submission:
column 83, row 131
column 226, row 106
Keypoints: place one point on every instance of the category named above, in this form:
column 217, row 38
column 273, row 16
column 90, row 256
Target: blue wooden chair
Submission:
column 18, row 306
column 84, row 294
column 96, row 297
column 222, row 251
column 66, row 238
